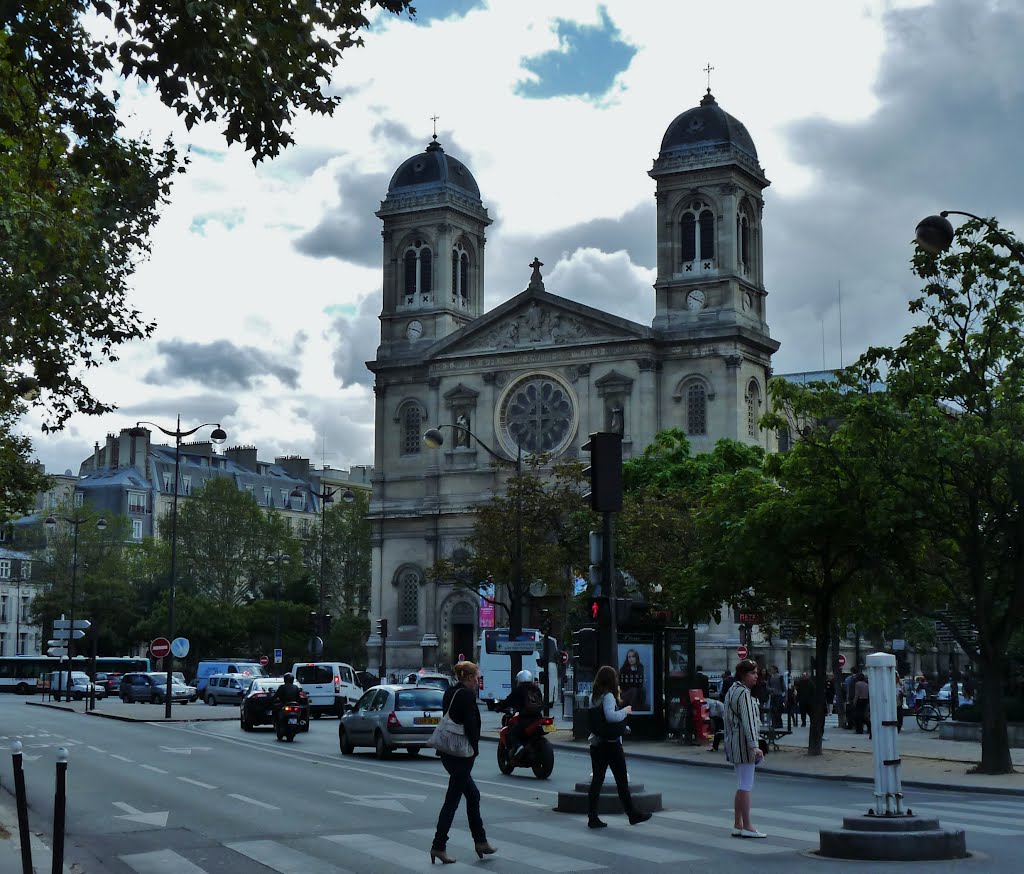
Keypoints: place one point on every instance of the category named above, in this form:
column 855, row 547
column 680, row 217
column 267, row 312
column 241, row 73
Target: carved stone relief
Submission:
column 539, row 324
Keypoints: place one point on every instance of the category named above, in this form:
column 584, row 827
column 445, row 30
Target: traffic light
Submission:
column 326, row 621
column 584, row 647
column 605, row 471
column 594, row 573
column 599, row 610
column 382, row 627
column 629, row 612
column 313, row 624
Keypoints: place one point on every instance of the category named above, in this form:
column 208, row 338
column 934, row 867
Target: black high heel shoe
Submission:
column 484, row 849
column 442, row 855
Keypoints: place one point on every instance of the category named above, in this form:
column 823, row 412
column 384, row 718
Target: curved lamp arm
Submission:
column 935, row 233
column 218, row 435
column 435, row 440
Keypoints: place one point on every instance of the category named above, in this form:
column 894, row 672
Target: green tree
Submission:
column 341, row 550
column 950, row 430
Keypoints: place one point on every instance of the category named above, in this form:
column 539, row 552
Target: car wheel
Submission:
column 382, row 748
column 316, row 714
column 246, row 725
column 211, row 700
column 344, row 743
column 158, row 699
column 413, row 751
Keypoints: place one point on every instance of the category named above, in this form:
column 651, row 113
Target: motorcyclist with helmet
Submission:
column 526, row 700
column 287, row 692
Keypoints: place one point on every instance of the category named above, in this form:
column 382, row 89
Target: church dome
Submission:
column 705, row 127
column 430, row 170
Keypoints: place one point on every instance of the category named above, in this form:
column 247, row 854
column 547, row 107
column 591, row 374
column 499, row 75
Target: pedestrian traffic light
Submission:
column 605, row 471
column 313, row 623
column 599, row 610
column 630, row 612
column 382, row 627
column 584, row 647
column 326, row 622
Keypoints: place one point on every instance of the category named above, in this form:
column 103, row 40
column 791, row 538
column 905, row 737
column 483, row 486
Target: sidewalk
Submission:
column 927, row 761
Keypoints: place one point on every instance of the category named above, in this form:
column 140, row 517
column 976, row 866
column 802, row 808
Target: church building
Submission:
column 542, row 371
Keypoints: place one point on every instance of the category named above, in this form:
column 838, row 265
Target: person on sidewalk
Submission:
column 776, row 696
column 741, row 745
column 804, row 697
column 727, row 681
column 459, row 703
column 861, row 697
column 606, row 754
column 716, row 710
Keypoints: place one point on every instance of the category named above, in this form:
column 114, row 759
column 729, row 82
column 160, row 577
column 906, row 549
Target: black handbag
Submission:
column 601, row 727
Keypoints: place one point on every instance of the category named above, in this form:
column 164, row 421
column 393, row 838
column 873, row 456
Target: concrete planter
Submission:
column 971, row 731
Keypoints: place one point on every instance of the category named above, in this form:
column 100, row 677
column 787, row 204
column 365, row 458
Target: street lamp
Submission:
column 934, row 234
column 74, row 522
column 281, row 558
column 217, row 436
column 435, row 440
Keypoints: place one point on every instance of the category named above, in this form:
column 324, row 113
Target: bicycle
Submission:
column 932, row 712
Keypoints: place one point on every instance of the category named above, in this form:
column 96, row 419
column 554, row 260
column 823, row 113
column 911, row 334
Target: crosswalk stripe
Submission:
column 528, row 856
column 982, row 829
column 160, row 862
column 599, row 841
column 834, row 821
column 400, row 855
column 249, row 800
column 284, row 860
column 994, row 806
column 944, row 809
column 705, row 841
column 718, row 822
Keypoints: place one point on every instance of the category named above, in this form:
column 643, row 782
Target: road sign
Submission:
column 66, row 624
column 742, row 651
column 510, row 646
column 160, row 647
column 279, row 654
column 842, row 660
column 180, row 647
column 264, row 660
column 462, row 656
column 58, row 651
column 749, row 619
column 68, row 634
column 564, row 656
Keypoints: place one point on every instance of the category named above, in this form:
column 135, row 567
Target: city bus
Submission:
column 24, row 674
column 495, row 675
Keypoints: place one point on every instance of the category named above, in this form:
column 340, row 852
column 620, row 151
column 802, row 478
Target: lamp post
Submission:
column 934, row 234
column 281, row 558
column 75, row 522
column 217, row 436
column 435, row 439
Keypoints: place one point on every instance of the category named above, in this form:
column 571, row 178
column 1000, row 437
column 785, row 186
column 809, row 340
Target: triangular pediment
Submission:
column 539, row 320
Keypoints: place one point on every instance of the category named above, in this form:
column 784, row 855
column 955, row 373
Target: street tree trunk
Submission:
column 822, row 639
column 995, row 743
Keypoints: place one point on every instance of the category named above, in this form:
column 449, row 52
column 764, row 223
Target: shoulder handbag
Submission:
column 450, row 738
column 601, row 727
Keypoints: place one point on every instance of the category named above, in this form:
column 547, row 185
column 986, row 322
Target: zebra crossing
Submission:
column 563, row 845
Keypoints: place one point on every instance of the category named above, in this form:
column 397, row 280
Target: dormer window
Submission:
column 419, row 274
column 460, row 276
column 697, row 240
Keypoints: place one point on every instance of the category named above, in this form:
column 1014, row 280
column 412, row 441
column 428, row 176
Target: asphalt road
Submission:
column 207, row 797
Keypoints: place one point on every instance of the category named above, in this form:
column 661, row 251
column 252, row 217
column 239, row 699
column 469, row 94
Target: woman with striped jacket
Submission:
column 741, row 745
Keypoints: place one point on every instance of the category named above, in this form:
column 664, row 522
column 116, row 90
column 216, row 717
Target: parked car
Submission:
column 109, row 682
column 179, row 677
column 331, row 686
column 152, row 687
column 80, row 685
column 209, row 667
column 391, row 717
column 946, row 691
column 429, row 678
column 226, row 688
column 257, row 704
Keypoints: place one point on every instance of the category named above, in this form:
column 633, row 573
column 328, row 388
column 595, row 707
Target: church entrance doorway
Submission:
column 463, row 625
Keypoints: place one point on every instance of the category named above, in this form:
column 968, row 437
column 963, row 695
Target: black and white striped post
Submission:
column 22, row 803
column 59, row 804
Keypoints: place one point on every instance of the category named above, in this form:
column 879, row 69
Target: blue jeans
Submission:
column 460, row 783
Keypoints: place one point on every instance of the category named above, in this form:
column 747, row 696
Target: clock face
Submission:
column 695, row 300
column 414, row 329
column 748, row 300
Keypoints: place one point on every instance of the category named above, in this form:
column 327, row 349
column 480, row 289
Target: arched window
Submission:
column 460, row 275
column 697, row 236
column 743, row 240
column 784, row 439
column 409, row 598
column 419, row 273
column 753, row 408
column 696, row 409
column 412, row 422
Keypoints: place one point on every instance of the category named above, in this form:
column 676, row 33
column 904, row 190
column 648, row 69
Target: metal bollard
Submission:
column 59, row 802
column 22, row 802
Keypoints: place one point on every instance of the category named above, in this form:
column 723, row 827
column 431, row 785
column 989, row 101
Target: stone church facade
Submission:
column 544, row 371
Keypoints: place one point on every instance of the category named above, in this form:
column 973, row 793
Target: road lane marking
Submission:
column 284, row 860
column 723, row 823
column 249, row 800
column 521, row 855
column 598, row 842
column 198, row 783
column 158, row 818
column 403, row 856
column 121, row 758
column 98, row 750
column 705, row 841
column 160, row 862
column 154, row 768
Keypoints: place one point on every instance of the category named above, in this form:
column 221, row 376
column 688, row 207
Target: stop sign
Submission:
column 741, row 651
column 160, row 647
column 842, row 660
column 264, row 660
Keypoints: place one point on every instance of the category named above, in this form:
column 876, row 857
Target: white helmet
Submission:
column 524, row 677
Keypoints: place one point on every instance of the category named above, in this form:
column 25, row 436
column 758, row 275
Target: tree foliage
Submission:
column 341, row 551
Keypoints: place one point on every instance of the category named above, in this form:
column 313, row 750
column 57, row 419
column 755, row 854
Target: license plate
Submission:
column 292, row 721
column 426, row 720
column 549, row 727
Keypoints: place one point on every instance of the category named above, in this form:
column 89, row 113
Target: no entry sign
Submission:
column 741, row 651
column 842, row 660
column 264, row 660
column 160, row 647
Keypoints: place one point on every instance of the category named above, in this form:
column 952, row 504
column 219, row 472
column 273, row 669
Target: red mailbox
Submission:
column 699, row 714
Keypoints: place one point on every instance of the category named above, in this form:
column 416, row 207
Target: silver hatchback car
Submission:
column 391, row 717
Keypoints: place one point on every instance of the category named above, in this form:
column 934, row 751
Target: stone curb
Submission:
column 786, row 772
column 120, row 718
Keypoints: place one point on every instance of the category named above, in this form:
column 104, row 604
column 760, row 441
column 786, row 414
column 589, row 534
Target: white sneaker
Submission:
column 737, row 832
column 746, row 833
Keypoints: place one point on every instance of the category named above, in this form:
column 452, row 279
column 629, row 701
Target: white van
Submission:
column 80, row 684
column 495, row 675
column 330, row 686
column 208, row 667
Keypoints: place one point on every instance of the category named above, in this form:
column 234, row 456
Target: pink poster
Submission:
column 486, row 614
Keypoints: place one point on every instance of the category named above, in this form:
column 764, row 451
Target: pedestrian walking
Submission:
column 804, row 697
column 459, row 704
column 716, row 710
column 741, row 746
column 776, row 696
column 607, row 753
column 861, row 697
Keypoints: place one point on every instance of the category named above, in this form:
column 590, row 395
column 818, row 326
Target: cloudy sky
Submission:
column 265, row 282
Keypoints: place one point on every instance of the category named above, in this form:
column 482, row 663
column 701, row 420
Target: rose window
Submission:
column 538, row 414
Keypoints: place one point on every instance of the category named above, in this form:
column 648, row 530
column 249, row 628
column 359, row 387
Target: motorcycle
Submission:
column 536, row 751
column 291, row 718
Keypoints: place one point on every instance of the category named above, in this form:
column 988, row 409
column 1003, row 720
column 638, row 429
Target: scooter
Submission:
column 536, row 752
column 291, row 718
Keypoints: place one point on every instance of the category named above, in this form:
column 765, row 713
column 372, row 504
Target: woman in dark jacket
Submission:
column 460, row 704
column 631, row 681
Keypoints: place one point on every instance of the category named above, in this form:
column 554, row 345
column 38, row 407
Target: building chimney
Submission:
column 201, row 448
column 110, row 462
column 243, row 456
column 294, row 465
column 140, row 450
